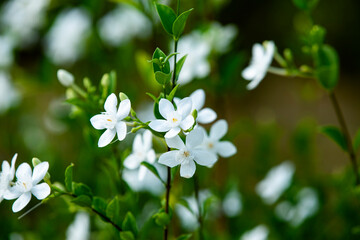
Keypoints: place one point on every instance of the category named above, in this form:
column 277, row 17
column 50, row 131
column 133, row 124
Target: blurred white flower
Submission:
column 232, row 203
column 7, row 45
column 260, row 62
column 65, row 77
column 176, row 120
column 142, row 151
column 6, row 175
column 204, row 116
column 123, row 24
column 220, row 37
column 80, row 228
column 23, row 18
column 27, row 184
column 277, row 180
column 187, row 154
column 212, row 141
column 9, row 96
column 111, row 120
column 260, row 232
column 65, row 42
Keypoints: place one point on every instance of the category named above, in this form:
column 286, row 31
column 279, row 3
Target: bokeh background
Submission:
column 310, row 193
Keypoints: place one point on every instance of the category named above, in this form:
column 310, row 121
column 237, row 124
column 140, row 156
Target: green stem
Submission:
column 175, row 57
column 167, row 199
column 345, row 131
column 78, row 90
column 200, row 219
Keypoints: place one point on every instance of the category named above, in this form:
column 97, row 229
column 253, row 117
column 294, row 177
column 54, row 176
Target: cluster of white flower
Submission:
column 27, row 183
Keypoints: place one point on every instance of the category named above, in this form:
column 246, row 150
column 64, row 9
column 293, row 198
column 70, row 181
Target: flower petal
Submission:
column 110, row 104
column 175, row 142
column 218, row 130
column 187, row 122
column 121, row 130
column 41, row 191
column 176, row 100
column 206, row 115
column 137, row 144
column 24, row 172
column 172, row 132
column 99, row 121
column 257, row 79
column 12, row 169
column 132, row 161
column 106, row 137
column 39, row 173
column 11, row 194
column 169, row 159
column 21, row 202
column 225, row 149
column 142, row 172
column 160, row 125
column 258, row 52
column 124, row 109
column 204, row 157
column 198, row 99
column 187, row 169
column 165, row 107
column 147, row 140
column 249, row 73
column 151, row 156
column 195, row 138
column 184, row 107
column 5, row 167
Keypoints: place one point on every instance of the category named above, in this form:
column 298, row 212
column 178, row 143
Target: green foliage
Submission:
column 356, row 141
column 179, row 24
column 179, row 66
column 167, row 17
column 327, row 67
column 335, row 134
column 113, row 211
column 306, row 5
column 129, row 224
column 82, row 200
column 127, row 235
column 184, row 237
column 81, row 189
column 152, row 169
column 171, row 95
column 161, row 218
column 69, row 178
column 99, row 204
column 162, row 78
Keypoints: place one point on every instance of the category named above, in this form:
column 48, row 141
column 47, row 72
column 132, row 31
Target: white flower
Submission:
column 212, row 141
column 175, row 119
column 9, row 96
column 277, row 180
column 111, row 120
column 6, row 175
column 6, row 51
column 65, row 78
column 260, row 62
column 232, row 204
column 220, row 37
column 204, row 116
column 27, row 184
column 187, row 154
column 260, row 232
column 80, row 228
column 142, row 151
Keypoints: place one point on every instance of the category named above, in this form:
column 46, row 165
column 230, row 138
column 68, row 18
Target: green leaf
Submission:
column 153, row 170
column 126, row 235
column 171, row 95
column 167, row 17
column 356, row 141
column 305, row 4
column 69, row 177
column 179, row 24
column 113, row 210
column 129, row 224
column 99, row 204
column 179, row 66
column 153, row 97
column 162, row 78
column 77, row 102
column 336, row 135
column 161, row 219
column 81, row 189
column 327, row 67
column 82, row 200
column 156, row 59
column 184, row 236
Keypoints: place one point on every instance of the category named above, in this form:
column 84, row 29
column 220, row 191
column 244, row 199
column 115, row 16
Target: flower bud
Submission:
column 105, row 81
column 65, row 78
column 70, row 93
column 35, row 161
column 123, row 96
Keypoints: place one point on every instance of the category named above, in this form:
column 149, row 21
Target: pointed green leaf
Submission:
column 336, row 135
column 129, row 224
column 69, row 177
column 126, row 235
column 82, row 200
column 179, row 24
column 162, row 78
column 162, row 219
column 179, row 66
column 81, row 189
column 153, row 97
column 327, row 67
column 99, row 204
column 171, row 95
column 356, row 141
column 167, row 17
column 184, row 237
column 156, row 60
column 152, row 169
column 113, row 211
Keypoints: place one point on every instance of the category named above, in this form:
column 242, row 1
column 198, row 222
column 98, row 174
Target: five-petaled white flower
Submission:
column 260, row 62
column 187, row 154
column 176, row 120
column 142, row 151
column 111, row 120
column 212, row 142
column 204, row 116
column 6, row 176
column 27, row 184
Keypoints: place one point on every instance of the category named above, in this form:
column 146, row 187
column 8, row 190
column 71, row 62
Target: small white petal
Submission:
column 218, row 130
column 172, row 132
column 11, row 194
column 225, row 149
column 187, row 122
column 175, row 142
column 176, row 100
column 206, row 115
column 121, row 130
column 110, row 104
column 255, row 82
column 198, row 99
column 65, row 78
column 137, row 144
column 99, row 121
column 5, row 167
column 41, row 191
column 21, row 202
column 184, row 107
column 39, row 173
column 151, row 156
column 132, row 161
column 249, row 73
column 124, row 109
column 12, row 169
column 160, row 125
column 142, row 172
column 147, row 140
column 165, row 107
column 195, row 138
column 187, row 169
column 204, row 157
column 169, row 159
column 106, row 137
column 24, row 172
column 258, row 52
